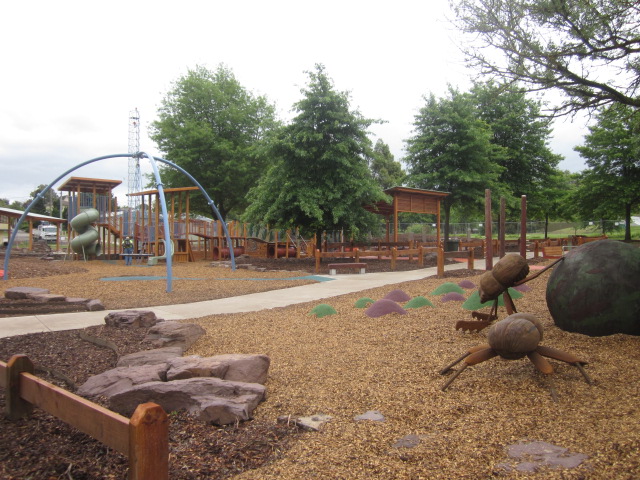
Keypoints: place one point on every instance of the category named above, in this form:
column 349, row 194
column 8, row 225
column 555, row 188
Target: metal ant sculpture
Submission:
column 510, row 271
column 515, row 337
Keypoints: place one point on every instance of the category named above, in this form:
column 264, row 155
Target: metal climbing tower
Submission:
column 135, row 181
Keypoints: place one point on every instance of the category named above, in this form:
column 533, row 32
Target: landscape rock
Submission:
column 120, row 379
column 209, row 399
column 312, row 423
column 94, row 305
column 46, row 297
column 372, row 415
column 20, row 293
column 180, row 368
column 131, row 318
column 246, row 368
column 150, row 357
column 167, row 334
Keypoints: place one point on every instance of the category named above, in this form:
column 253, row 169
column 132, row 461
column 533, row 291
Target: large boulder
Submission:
column 595, row 290
column 150, row 357
column 167, row 334
column 234, row 367
column 209, row 399
column 120, row 379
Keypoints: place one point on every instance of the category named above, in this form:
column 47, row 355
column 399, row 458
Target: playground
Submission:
column 346, row 365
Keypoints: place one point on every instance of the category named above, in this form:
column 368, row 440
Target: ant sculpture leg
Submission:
column 473, row 356
column 566, row 357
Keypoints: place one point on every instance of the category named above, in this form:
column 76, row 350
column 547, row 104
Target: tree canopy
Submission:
column 588, row 50
column 451, row 151
column 385, row 169
column 516, row 125
column 215, row 129
column 319, row 177
column 610, row 186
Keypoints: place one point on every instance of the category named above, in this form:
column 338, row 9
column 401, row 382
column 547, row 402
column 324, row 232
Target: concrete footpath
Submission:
column 331, row 286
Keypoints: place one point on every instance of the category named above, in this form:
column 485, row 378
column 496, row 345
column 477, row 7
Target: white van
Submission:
column 46, row 232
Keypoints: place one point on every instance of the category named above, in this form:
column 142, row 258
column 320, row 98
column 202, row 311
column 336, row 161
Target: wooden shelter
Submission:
column 413, row 200
column 12, row 216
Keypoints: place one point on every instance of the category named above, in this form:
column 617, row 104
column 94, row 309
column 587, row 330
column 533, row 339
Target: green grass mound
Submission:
column 473, row 302
column 363, row 302
column 418, row 302
column 447, row 288
column 323, row 310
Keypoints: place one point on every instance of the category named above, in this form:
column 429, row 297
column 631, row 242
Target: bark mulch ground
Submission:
column 342, row 365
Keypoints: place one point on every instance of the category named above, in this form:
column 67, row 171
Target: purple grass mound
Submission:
column 384, row 307
column 397, row 296
column 466, row 284
column 453, row 297
column 523, row 288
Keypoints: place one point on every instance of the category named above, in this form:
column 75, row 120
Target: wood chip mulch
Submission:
column 344, row 365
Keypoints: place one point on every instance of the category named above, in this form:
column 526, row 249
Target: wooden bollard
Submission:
column 16, row 406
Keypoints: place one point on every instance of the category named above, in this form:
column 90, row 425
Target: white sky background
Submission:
column 73, row 70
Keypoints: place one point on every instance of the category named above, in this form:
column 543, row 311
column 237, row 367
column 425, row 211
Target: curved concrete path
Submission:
column 334, row 286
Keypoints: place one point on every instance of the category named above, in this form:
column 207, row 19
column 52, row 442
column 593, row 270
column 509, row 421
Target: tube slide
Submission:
column 154, row 260
column 86, row 242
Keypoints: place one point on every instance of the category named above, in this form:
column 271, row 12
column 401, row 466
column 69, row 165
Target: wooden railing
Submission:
column 394, row 253
column 143, row 438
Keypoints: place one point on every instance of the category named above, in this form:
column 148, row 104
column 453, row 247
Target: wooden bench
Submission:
column 334, row 267
column 552, row 252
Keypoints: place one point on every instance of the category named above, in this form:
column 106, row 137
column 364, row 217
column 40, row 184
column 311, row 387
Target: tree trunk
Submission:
column 447, row 215
column 627, row 222
column 546, row 225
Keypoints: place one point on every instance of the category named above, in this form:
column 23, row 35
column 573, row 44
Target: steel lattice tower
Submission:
column 135, row 181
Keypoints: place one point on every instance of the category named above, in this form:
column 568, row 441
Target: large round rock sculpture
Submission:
column 596, row 289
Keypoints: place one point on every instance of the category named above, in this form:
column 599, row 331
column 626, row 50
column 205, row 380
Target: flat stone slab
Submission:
column 47, row 297
column 408, row 441
column 20, row 293
column 529, row 457
column 372, row 415
column 312, row 423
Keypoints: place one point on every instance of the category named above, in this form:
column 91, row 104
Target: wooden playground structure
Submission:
column 192, row 238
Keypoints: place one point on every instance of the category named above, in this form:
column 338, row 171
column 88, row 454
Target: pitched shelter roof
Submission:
column 90, row 185
column 407, row 199
column 12, row 213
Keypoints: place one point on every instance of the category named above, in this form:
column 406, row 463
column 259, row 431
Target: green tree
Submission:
column 451, row 151
column 47, row 205
column 611, row 183
column 517, row 126
column 385, row 169
column 553, row 200
column 215, row 129
column 319, row 178
column 587, row 50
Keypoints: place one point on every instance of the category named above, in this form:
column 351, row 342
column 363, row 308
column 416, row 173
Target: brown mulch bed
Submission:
column 344, row 365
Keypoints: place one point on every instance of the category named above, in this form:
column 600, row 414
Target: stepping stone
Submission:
column 373, row 415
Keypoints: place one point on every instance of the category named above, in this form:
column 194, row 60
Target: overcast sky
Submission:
column 72, row 71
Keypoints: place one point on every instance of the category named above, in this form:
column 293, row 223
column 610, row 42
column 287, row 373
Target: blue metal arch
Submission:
column 152, row 159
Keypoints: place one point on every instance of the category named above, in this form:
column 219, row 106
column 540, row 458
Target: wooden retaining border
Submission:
column 143, row 438
column 394, row 253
